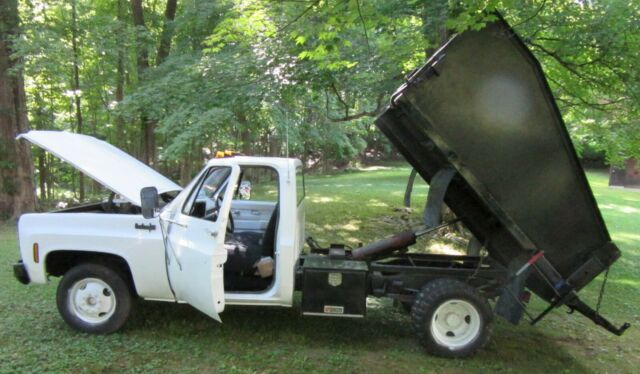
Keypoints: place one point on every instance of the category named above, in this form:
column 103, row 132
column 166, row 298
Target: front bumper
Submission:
column 20, row 272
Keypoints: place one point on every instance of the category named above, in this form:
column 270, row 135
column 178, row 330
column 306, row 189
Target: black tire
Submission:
column 80, row 315
column 462, row 300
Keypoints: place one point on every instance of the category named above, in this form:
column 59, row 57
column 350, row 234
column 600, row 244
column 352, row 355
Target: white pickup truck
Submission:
column 478, row 122
column 207, row 245
column 108, row 251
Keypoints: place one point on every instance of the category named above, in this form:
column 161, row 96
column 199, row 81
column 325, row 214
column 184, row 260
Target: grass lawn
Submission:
column 347, row 207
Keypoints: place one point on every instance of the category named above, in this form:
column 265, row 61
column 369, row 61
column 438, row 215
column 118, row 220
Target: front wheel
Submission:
column 451, row 319
column 93, row 298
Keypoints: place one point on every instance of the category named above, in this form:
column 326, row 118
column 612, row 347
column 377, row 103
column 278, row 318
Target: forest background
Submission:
column 171, row 81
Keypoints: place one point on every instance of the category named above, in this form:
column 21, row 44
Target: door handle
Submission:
column 211, row 232
column 255, row 212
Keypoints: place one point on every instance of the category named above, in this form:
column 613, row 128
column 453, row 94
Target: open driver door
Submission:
column 195, row 233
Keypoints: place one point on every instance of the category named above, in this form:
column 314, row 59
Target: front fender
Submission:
column 114, row 234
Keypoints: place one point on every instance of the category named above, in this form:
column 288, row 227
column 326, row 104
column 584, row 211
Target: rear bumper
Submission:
column 20, row 272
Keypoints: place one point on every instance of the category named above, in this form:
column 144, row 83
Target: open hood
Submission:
column 108, row 165
column 482, row 106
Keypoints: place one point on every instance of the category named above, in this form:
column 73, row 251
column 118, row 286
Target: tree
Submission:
column 148, row 127
column 172, row 81
column 167, row 31
column 164, row 47
column 120, row 68
column 16, row 168
column 76, row 83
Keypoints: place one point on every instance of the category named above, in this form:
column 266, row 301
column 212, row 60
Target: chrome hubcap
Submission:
column 92, row 300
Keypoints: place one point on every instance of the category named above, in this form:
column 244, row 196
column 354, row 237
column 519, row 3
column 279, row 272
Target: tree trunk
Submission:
column 42, row 172
column 16, row 168
column 627, row 175
column 434, row 17
column 632, row 173
column 167, row 31
column 120, row 136
column 274, row 145
column 147, row 128
column 148, row 141
column 186, row 169
column 50, row 173
column 76, row 84
column 138, row 21
column 246, row 137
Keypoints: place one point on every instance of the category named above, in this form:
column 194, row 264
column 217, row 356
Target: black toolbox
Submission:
column 334, row 287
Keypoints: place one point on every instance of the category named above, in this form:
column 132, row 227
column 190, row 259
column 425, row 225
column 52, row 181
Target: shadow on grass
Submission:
column 383, row 336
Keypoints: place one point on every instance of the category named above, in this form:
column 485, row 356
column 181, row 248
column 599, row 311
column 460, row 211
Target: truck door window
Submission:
column 205, row 199
column 258, row 183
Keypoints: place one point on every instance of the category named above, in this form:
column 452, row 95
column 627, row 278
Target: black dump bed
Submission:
column 482, row 105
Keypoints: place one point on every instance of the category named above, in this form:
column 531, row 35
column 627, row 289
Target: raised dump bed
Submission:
column 481, row 106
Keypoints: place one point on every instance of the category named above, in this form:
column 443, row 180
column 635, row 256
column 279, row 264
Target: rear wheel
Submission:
column 451, row 319
column 93, row 298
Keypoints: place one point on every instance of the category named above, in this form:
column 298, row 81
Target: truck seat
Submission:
column 244, row 249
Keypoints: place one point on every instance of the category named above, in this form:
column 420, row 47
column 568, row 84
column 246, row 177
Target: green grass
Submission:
column 351, row 207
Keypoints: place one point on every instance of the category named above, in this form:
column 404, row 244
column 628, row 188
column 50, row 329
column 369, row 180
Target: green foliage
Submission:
column 306, row 78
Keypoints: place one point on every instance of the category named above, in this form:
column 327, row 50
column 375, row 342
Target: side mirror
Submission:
column 149, row 201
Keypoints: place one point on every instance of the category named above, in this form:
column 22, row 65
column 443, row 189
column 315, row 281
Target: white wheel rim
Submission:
column 455, row 324
column 92, row 300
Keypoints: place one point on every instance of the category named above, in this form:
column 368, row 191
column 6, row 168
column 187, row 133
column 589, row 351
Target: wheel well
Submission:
column 57, row 263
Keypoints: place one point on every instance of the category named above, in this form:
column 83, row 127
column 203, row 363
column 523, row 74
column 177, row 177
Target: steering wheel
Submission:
column 212, row 214
column 231, row 226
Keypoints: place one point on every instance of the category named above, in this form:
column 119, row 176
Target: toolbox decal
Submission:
column 335, row 279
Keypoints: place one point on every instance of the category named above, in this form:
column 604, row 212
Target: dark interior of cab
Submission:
column 245, row 250
column 252, row 223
